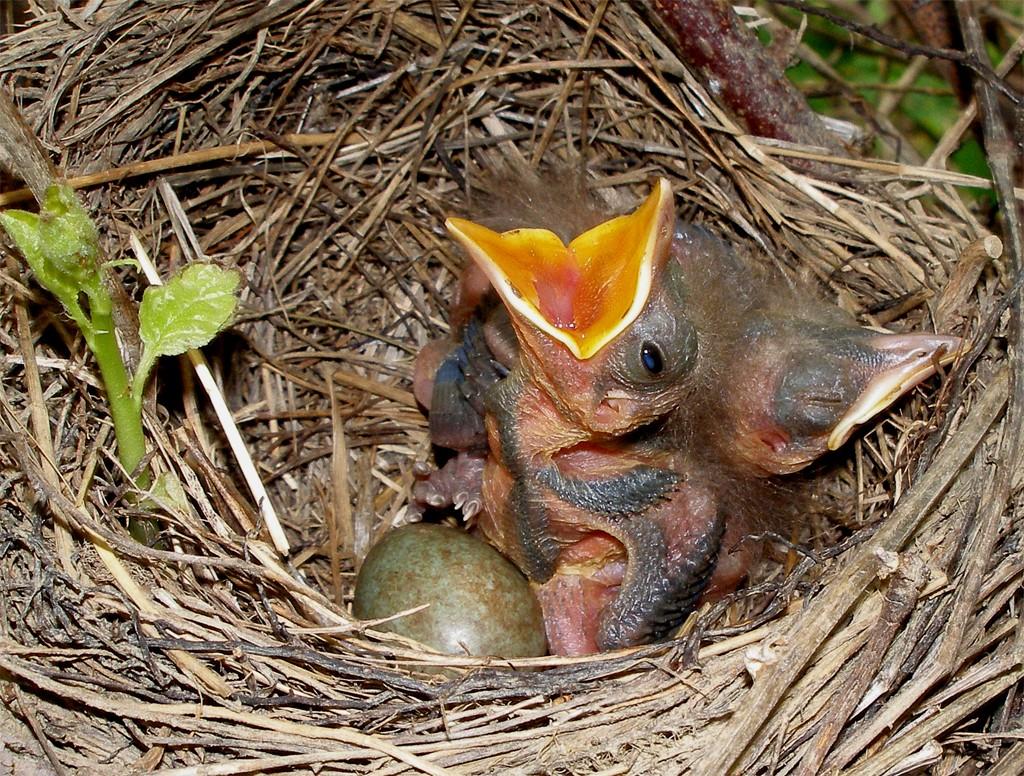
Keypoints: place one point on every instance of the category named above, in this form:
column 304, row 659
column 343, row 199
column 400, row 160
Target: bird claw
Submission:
column 414, row 511
column 456, row 484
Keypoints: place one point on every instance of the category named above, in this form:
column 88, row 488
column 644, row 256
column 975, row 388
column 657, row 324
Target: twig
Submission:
column 952, row 299
column 215, row 154
column 891, row 754
column 951, row 137
column 375, row 387
column 20, row 152
column 138, row 596
column 899, row 170
column 341, row 530
column 817, row 621
column 808, row 187
column 899, row 601
column 1011, row 764
column 40, row 734
column 262, row 17
column 709, row 37
column 1002, row 158
column 972, row 60
column 185, row 714
column 567, row 87
column 41, row 422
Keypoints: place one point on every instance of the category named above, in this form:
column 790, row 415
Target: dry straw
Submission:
column 318, row 147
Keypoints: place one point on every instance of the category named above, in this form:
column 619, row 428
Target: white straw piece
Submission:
column 220, row 406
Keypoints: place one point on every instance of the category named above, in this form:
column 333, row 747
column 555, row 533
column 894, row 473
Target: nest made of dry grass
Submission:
column 317, row 147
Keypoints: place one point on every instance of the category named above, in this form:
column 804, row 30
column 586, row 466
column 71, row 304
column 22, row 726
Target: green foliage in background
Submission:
column 924, row 113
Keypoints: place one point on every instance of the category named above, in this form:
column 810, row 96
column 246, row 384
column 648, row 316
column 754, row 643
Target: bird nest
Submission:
column 318, row 147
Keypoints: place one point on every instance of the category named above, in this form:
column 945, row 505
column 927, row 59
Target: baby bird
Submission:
column 623, row 415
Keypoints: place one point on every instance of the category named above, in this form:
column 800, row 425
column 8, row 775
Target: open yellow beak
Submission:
column 583, row 294
column 912, row 358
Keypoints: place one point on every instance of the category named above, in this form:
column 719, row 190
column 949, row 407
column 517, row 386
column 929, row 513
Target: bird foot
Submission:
column 456, row 484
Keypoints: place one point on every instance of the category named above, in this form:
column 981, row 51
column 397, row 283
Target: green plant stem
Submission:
column 125, row 412
column 61, row 245
column 131, row 441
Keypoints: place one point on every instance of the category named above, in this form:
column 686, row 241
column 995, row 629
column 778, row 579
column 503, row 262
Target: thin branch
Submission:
column 20, row 152
column 709, row 37
column 971, row 60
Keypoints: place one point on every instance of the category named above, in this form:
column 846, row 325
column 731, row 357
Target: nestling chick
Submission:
column 631, row 430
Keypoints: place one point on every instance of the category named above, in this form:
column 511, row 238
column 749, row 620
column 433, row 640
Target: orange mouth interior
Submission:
column 585, row 293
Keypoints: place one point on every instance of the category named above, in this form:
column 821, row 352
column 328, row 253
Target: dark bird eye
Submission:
column 650, row 357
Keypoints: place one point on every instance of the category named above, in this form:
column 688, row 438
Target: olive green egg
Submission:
column 480, row 604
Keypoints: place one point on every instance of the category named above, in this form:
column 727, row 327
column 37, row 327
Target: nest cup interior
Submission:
column 360, row 129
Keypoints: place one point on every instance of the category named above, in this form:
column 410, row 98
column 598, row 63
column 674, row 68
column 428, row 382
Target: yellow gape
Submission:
column 582, row 294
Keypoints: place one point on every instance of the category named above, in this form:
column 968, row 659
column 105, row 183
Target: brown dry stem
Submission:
column 318, row 147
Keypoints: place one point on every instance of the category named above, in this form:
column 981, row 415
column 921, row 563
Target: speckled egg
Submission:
column 480, row 604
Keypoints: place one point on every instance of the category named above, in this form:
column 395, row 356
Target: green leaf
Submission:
column 23, row 228
column 60, row 245
column 189, row 311
column 186, row 313
column 168, row 492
